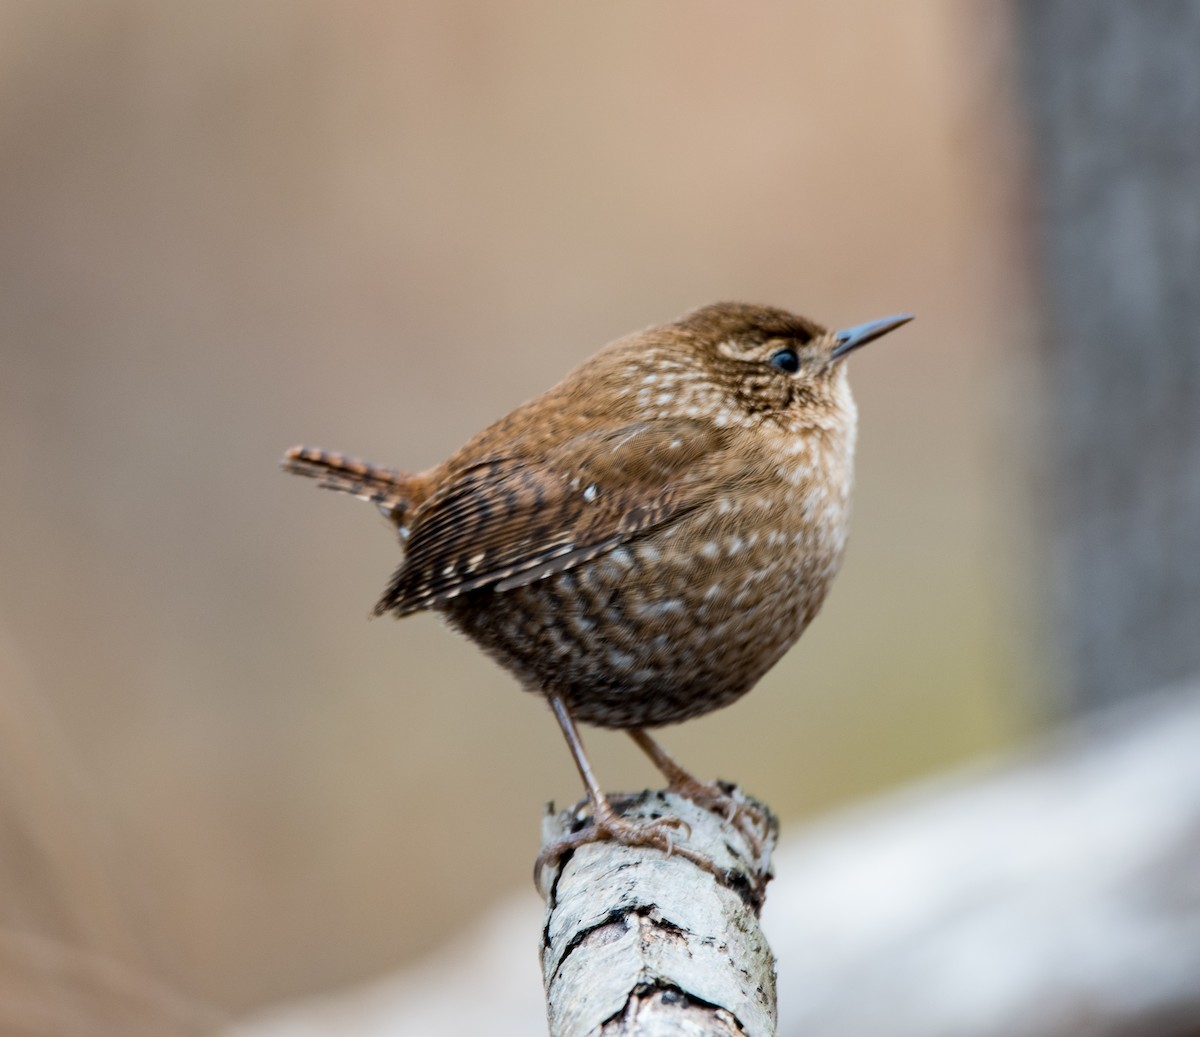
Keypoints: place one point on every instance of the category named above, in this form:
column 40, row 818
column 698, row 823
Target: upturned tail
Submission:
column 387, row 488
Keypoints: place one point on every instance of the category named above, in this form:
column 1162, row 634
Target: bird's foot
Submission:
column 607, row 825
column 749, row 819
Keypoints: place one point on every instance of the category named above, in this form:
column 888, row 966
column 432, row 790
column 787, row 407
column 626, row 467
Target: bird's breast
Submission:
column 682, row 619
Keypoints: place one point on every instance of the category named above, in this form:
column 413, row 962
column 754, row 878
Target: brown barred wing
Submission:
column 504, row 522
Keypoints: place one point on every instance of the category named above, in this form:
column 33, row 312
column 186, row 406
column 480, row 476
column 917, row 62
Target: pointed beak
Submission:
column 861, row 334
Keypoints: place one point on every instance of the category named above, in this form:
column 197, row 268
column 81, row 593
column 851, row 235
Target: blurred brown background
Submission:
column 374, row 227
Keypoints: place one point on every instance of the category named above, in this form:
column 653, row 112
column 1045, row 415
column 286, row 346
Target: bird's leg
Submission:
column 747, row 817
column 606, row 822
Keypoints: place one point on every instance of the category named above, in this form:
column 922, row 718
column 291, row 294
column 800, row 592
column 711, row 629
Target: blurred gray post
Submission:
column 1113, row 93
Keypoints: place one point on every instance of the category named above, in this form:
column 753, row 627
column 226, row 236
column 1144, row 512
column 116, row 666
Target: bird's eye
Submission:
column 786, row 360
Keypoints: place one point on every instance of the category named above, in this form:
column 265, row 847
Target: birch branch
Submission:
column 636, row 942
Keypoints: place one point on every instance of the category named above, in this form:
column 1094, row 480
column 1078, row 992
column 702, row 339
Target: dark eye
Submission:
column 786, row 360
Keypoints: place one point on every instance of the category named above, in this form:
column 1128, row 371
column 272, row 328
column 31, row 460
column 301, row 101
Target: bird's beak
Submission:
column 861, row 334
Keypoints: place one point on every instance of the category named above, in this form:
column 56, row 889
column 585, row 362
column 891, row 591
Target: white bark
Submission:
column 636, row 942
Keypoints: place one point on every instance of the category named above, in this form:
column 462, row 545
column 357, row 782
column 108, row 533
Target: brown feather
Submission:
column 506, row 522
column 389, row 488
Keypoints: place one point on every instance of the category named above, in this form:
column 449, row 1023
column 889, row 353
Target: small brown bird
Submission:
column 641, row 543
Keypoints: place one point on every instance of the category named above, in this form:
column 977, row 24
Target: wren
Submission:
column 642, row 542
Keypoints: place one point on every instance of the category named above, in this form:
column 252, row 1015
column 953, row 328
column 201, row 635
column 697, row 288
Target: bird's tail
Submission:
column 388, row 488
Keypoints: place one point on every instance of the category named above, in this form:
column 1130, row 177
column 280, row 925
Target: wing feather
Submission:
column 503, row 522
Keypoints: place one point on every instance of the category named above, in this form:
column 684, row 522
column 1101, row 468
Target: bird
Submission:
column 642, row 542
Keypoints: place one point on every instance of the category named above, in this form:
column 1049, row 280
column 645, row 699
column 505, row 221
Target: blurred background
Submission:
column 375, row 227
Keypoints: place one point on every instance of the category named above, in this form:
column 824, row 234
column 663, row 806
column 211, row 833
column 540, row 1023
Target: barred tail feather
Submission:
column 388, row 488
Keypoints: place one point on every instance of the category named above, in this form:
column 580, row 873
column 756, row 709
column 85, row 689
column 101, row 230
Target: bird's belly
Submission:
column 665, row 628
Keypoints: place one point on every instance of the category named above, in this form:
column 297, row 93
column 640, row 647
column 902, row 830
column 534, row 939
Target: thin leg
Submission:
column 600, row 804
column 606, row 822
column 667, row 764
column 747, row 817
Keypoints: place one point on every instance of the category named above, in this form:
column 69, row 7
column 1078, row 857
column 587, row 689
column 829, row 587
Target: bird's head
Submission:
column 742, row 364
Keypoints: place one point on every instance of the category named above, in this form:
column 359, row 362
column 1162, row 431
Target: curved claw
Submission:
column 677, row 823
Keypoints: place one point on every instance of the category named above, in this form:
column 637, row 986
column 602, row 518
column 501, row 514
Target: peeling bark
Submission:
column 638, row 942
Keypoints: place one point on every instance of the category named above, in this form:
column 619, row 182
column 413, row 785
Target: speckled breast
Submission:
column 676, row 623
